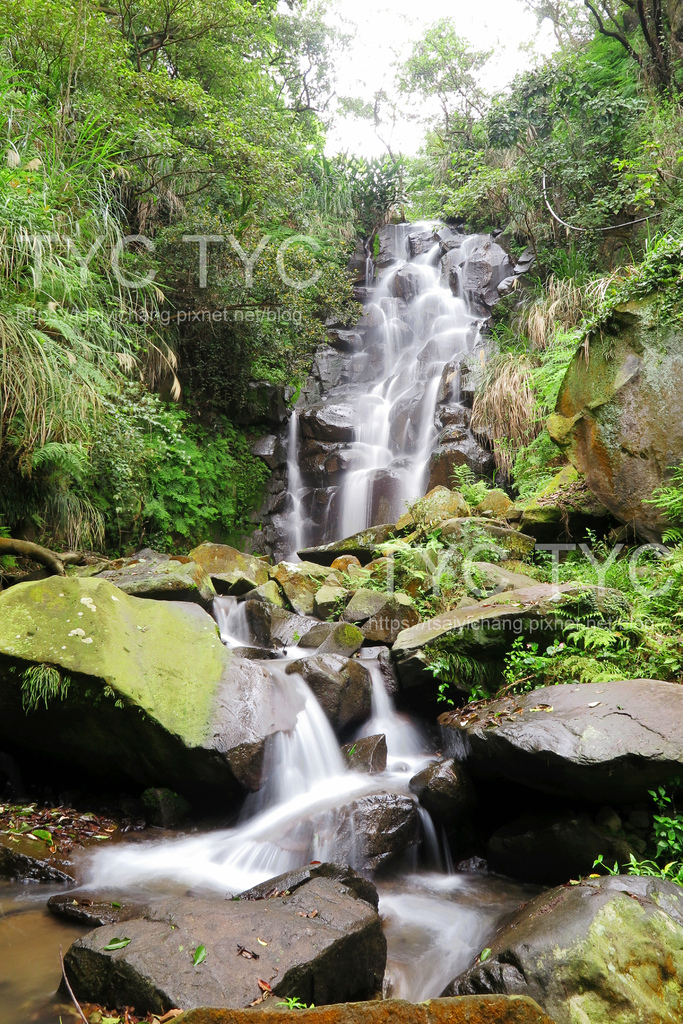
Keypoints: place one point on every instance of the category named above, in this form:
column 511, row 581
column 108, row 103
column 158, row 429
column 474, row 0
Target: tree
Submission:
column 443, row 66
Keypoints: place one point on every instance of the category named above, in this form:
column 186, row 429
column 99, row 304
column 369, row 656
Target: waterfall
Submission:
column 294, row 484
column 416, row 334
column 303, row 812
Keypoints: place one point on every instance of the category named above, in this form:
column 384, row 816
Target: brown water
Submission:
column 30, row 972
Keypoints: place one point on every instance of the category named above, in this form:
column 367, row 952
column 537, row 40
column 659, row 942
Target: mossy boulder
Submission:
column 605, row 951
column 328, row 599
column 343, row 638
column 565, row 508
column 495, row 502
column 480, row 533
column 397, row 613
column 439, row 504
column 231, row 571
column 300, row 581
column 161, row 577
column 149, row 692
column 619, row 414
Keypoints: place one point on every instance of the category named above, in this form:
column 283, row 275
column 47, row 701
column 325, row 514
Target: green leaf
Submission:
column 42, row 833
column 117, row 944
column 199, row 955
column 115, row 905
column 485, row 954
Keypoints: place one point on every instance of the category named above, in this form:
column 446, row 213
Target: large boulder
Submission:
column 363, row 546
column 342, row 686
column 376, row 829
column 551, row 849
column 476, row 269
column 487, row 628
column 367, row 754
column 161, row 577
column 148, row 681
column 463, row 1010
column 609, row 949
column 444, row 788
column 330, row 422
column 601, row 742
column 564, row 508
column 320, row 943
column 439, row 504
column 458, row 448
column 619, row 415
column 231, row 571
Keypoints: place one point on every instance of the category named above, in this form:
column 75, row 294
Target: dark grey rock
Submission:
column 342, row 686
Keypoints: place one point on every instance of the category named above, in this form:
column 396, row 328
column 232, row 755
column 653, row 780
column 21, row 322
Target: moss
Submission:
column 166, row 657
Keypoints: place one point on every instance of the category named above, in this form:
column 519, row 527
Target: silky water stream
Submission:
column 436, row 919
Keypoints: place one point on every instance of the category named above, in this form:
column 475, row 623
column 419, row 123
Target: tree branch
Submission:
column 25, row 549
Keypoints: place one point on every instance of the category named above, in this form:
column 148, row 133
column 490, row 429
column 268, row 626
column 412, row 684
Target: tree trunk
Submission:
column 51, row 560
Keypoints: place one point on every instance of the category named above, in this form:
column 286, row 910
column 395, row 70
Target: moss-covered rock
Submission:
column 300, row 582
column 619, row 415
column 362, row 546
column 565, row 508
column 474, row 530
column 437, row 505
column 328, row 599
column 606, row 951
column 160, row 577
column 231, row 571
column 153, row 695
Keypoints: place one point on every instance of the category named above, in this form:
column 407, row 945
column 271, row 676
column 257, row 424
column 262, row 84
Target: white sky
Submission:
column 384, row 31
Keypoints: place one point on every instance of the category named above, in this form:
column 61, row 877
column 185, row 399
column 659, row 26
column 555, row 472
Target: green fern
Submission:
column 41, row 684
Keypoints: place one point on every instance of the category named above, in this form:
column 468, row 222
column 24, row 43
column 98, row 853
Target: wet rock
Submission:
column 342, row 687
column 29, row 860
column 565, row 508
column 344, row 638
column 300, row 582
column 607, row 949
column 447, row 457
column 269, row 592
column 602, row 742
column 331, row 422
column 463, row 1010
column 368, row 754
column 317, row 635
column 78, row 906
column 271, row 450
column 150, row 574
column 407, row 282
column 552, row 850
column 288, row 882
column 148, row 679
column 231, row 571
column 274, row 627
column 392, row 245
column 618, row 416
column 324, row 945
column 445, row 790
column 396, row 614
column 377, row 829
column 328, row 367
column 420, row 242
column 164, row 808
column 345, row 341
column 478, row 269
column 363, row 546
column 328, row 600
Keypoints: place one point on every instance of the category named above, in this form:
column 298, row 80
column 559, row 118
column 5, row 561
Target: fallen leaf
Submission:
column 264, row 986
column 117, row 944
column 261, row 942
column 199, row 955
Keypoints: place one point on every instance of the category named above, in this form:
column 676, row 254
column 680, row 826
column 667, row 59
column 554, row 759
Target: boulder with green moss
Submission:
column 231, row 571
column 161, row 577
column 480, row 533
column 300, row 581
column 605, row 951
column 564, row 509
column 438, row 504
column 619, row 414
column 136, row 690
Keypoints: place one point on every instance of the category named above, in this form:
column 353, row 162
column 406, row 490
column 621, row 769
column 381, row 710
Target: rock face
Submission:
column 149, row 574
column 552, row 850
column 600, row 742
column 486, row 628
column 30, row 860
column 377, row 829
column 180, row 711
column 300, row 582
column 619, row 419
column 324, row 945
column 342, row 687
column 368, row 754
column 565, row 508
column 231, row 571
column 362, row 546
column 465, row 1010
column 445, row 790
column 609, row 949
column 477, row 269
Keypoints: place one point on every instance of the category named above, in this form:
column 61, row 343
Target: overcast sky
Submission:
column 383, row 31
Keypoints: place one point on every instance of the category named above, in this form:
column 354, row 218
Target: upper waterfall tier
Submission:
column 384, row 418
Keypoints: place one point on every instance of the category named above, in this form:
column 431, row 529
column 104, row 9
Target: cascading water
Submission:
column 392, row 394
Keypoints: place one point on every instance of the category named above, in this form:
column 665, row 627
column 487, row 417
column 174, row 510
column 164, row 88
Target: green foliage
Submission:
column 473, row 491
column 666, row 843
column 40, row 684
column 293, row 1003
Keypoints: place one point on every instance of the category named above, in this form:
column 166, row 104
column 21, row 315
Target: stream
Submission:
column 436, row 919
